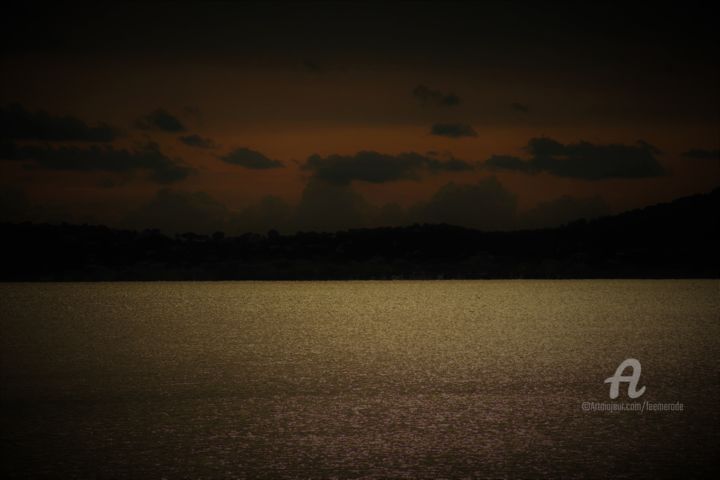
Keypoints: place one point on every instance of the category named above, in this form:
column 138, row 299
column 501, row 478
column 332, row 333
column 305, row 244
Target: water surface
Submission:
column 422, row 379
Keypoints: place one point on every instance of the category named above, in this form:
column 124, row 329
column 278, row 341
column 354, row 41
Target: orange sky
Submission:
column 291, row 100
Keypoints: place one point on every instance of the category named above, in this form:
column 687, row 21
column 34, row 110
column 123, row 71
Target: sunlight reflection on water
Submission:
column 355, row 379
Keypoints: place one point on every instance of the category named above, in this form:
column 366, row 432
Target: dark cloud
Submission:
column 17, row 123
column 428, row 96
column 14, row 205
column 148, row 157
column 175, row 211
column 197, row 141
column 562, row 210
column 160, row 120
column 323, row 206
column 453, row 130
column 486, row 205
column 390, row 215
column 507, row 162
column 519, row 107
column 702, row 154
column 247, row 158
column 374, row 167
column 583, row 160
column 452, row 164
column 269, row 213
column 329, row 206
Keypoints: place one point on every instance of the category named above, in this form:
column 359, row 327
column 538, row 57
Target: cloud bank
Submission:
column 197, row 141
column 244, row 157
column 429, row 96
column 374, row 167
column 160, row 120
column 18, row 123
column 583, row 160
column 147, row 157
column 453, row 130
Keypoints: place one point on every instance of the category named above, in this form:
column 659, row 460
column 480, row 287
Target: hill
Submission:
column 672, row 240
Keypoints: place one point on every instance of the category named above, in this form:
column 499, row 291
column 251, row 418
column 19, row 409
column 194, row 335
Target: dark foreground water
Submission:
column 445, row 379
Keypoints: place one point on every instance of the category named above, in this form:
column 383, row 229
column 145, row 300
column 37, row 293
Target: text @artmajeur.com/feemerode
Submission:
column 639, row 407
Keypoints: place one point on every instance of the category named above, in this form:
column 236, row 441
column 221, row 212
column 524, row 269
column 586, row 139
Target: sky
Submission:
column 325, row 116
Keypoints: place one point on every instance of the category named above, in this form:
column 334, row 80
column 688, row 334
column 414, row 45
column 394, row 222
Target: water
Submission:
column 429, row 379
